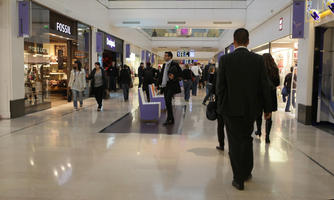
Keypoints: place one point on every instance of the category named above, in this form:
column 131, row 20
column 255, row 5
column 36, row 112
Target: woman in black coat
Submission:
column 98, row 83
column 274, row 82
column 125, row 81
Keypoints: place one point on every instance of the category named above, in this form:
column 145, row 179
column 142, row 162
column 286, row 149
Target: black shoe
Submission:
column 258, row 133
column 267, row 140
column 238, row 185
column 204, row 103
column 220, row 148
column 168, row 122
column 249, row 177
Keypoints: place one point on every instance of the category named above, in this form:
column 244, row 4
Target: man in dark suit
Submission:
column 169, row 80
column 243, row 93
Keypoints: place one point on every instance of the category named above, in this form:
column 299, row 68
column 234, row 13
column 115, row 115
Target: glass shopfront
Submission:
column 55, row 44
column 285, row 54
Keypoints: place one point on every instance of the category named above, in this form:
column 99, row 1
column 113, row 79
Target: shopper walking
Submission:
column 77, row 84
column 141, row 71
column 210, row 85
column 243, row 93
column 148, row 79
column 274, row 82
column 98, row 83
column 125, row 81
column 290, row 86
column 197, row 71
column 169, row 81
column 113, row 77
column 187, row 76
column 206, row 72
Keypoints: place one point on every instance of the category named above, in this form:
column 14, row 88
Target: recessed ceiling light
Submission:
column 176, row 22
column 222, row 22
column 131, row 22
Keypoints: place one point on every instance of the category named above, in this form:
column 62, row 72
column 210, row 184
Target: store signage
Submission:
column 110, row 42
column 281, row 24
column 37, row 50
column 185, row 54
column 298, row 19
column 142, row 55
column 24, row 18
column 99, row 40
column 148, row 56
column 63, row 28
column 127, row 51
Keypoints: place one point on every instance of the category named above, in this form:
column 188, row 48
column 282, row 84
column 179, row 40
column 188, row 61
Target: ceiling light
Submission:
column 176, row 22
column 222, row 22
column 131, row 22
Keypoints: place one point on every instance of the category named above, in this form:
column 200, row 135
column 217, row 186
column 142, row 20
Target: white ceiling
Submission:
column 195, row 14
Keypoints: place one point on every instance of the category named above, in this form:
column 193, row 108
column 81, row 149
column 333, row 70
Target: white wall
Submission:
column 260, row 10
column 269, row 30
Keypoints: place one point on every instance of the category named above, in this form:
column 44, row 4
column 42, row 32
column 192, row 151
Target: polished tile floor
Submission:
column 59, row 154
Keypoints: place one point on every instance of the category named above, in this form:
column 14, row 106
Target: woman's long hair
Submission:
column 270, row 65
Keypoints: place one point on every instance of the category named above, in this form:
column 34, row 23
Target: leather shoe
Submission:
column 220, row 148
column 170, row 122
column 249, row 177
column 238, row 185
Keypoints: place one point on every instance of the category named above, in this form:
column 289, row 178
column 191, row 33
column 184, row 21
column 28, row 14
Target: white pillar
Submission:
column 94, row 54
column 305, row 74
column 11, row 62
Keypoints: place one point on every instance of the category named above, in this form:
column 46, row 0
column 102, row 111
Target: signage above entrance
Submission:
column 110, row 42
column 63, row 28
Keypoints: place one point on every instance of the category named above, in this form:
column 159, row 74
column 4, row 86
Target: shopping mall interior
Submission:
column 163, row 131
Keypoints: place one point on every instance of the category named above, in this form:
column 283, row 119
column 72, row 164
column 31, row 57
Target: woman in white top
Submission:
column 77, row 83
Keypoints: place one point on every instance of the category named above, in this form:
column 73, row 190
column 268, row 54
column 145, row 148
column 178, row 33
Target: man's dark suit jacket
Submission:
column 242, row 86
column 172, row 85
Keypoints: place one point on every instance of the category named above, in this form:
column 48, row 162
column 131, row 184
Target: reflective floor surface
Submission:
column 58, row 154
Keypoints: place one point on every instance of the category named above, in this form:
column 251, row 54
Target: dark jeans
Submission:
column 112, row 86
column 98, row 92
column 125, row 88
column 288, row 103
column 220, row 131
column 140, row 82
column 168, row 94
column 187, row 86
column 194, row 86
column 239, row 134
column 209, row 93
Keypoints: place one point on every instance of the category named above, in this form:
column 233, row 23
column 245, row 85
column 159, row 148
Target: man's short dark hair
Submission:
column 291, row 69
column 170, row 54
column 241, row 36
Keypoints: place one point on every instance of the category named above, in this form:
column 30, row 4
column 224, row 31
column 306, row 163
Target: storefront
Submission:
column 55, row 44
column 112, row 51
column 275, row 37
column 323, row 69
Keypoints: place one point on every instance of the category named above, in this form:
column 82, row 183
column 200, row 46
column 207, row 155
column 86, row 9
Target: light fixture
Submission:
column 314, row 14
column 330, row 5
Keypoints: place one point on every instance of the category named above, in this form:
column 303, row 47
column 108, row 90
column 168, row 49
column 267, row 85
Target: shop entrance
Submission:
column 323, row 82
column 47, row 70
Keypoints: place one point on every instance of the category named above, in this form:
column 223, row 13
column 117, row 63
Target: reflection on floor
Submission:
column 58, row 154
column 131, row 123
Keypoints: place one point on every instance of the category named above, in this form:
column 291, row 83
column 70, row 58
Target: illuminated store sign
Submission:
column 281, row 24
column 63, row 28
column 186, row 54
column 110, row 42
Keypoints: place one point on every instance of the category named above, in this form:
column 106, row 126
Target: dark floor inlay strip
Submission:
column 308, row 156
